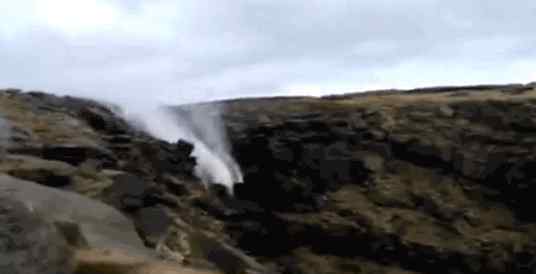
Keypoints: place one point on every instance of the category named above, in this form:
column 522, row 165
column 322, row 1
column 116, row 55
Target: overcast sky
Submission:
column 184, row 50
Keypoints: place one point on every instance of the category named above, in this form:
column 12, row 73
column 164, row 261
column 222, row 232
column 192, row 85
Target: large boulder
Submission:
column 101, row 225
column 50, row 231
column 30, row 244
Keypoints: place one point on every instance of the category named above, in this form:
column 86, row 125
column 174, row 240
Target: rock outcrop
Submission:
column 51, row 231
column 78, row 145
column 422, row 181
column 102, row 226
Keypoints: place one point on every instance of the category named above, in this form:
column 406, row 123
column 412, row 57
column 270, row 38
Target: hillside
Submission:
column 432, row 180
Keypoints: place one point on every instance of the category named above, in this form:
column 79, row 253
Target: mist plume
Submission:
column 203, row 128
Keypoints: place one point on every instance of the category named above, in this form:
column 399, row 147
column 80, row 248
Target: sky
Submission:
column 178, row 51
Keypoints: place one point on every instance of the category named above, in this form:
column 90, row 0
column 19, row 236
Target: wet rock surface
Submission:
column 433, row 180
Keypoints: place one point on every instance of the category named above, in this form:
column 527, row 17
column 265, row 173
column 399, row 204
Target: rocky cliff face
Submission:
column 423, row 181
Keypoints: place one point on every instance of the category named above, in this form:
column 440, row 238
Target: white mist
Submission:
column 211, row 148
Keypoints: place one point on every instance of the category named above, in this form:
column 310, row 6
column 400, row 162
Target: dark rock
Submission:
column 174, row 185
column 219, row 191
column 227, row 258
column 297, row 173
column 161, row 157
column 44, row 177
column 433, row 180
column 75, row 155
column 184, row 148
column 50, row 173
column 419, row 159
column 120, row 139
column 127, row 192
column 103, row 120
column 152, row 223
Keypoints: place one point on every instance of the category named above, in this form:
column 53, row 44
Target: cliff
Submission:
column 432, row 180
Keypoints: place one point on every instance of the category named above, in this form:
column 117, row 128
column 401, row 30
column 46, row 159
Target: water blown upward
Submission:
column 211, row 168
column 214, row 161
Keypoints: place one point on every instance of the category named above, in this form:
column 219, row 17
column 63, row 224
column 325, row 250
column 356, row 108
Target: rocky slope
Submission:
column 423, row 181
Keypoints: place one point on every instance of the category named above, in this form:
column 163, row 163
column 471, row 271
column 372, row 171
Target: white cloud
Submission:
column 74, row 17
column 194, row 50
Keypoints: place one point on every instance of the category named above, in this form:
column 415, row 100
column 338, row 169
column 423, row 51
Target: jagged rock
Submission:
column 277, row 164
column 120, row 139
column 184, row 148
column 75, row 155
column 102, row 119
column 174, row 185
column 46, row 172
column 424, row 181
column 158, row 157
column 227, row 258
column 202, row 249
column 443, row 185
column 153, row 224
column 127, row 192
